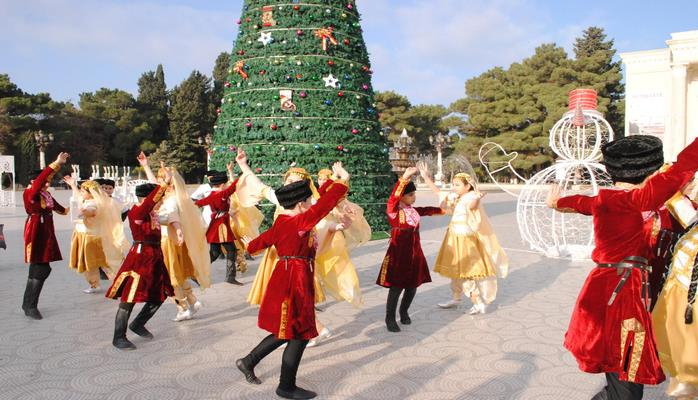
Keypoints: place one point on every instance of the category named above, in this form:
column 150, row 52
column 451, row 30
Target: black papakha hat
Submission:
column 145, row 189
column 409, row 188
column 293, row 193
column 218, row 179
column 213, row 172
column 106, row 182
column 633, row 158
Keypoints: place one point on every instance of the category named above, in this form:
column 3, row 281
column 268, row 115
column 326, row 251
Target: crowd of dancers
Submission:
column 176, row 236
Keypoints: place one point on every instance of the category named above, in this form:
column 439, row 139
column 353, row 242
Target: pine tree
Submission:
column 596, row 68
column 152, row 101
column 299, row 93
column 190, row 117
column 220, row 76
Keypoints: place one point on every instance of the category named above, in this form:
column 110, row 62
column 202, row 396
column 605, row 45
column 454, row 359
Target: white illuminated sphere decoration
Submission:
column 577, row 138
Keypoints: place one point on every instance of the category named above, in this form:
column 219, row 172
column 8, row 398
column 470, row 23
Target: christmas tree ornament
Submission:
column 218, row 111
column 340, row 94
column 326, row 35
column 317, row 147
column 239, row 68
column 258, row 170
column 355, row 131
column 274, row 127
column 328, row 102
column 330, row 63
column 303, row 94
column 299, row 32
column 227, row 84
column 330, row 81
column 265, row 38
column 248, row 125
column 241, row 52
column 340, row 147
column 268, row 16
column 286, row 98
column 346, row 42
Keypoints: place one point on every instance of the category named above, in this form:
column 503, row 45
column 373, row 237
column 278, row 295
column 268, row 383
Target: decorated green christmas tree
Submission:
column 299, row 94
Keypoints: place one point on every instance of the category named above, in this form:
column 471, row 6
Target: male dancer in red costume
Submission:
column 40, row 244
column 143, row 277
column 611, row 328
column 220, row 233
column 287, row 309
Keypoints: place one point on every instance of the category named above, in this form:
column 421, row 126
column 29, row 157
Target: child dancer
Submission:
column 404, row 266
column 40, row 244
column 287, row 309
column 143, row 277
column 611, row 328
column 470, row 254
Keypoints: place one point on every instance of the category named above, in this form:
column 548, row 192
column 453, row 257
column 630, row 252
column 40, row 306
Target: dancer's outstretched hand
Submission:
column 142, row 159
column 241, row 158
column 553, row 196
column 423, row 170
column 409, row 172
column 62, row 158
column 339, row 171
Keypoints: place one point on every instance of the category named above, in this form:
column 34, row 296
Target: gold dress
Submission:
column 470, row 254
column 677, row 341
column 86, row 251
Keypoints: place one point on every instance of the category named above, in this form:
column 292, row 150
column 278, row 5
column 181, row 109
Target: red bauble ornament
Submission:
column 248, row 125
column 347, row 42
column 263, row 71
column 241, row 52
column 299, row 32
column 364, row 86
column 330, row 63
column 355, row 131
column 350, row 7
column 227, row 84
column 247, row 19
column 340, row 94
column 303, row 95
column 218, row 110
column 340, row 147
column 365, row 68
column 257, row 170
column 299, row 76
column 296, row 7
column 274, row 127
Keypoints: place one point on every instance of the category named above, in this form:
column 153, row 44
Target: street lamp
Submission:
column 206, row 143
column 42, row 141
column 403, row 153
column 440, row 142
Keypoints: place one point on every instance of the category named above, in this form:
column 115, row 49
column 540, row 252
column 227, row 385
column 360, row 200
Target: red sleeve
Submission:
column 227, row 192
column 45, row 176
column 211, row 198
column 261, row 242
column 428, row 211
column 579, row 203
column 58, row 208
column 334, row 193
column 395, row 196
column 139, row 212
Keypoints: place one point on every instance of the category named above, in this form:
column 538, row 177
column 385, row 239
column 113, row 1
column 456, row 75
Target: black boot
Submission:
column 31, row 298
column 230, row 268
column 246, row 365
column 390, row 307
column 138, row 324
column 103, row 275
column 407, row 298
column 121, row 321
column 289, row 368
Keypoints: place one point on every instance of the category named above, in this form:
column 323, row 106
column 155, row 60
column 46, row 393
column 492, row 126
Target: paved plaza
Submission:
column 512, row 352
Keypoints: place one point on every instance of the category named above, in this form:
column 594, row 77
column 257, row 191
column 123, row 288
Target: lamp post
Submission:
column 403, row 153
column 42, row 141
column 206, row 143
column 440, row 142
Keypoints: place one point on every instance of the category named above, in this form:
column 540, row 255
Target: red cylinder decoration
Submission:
column 585, row 97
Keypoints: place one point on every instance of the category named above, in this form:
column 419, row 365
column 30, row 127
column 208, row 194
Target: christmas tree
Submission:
column 299, row 93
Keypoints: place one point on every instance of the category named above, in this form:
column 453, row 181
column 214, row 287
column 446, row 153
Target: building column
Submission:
column 677, row 134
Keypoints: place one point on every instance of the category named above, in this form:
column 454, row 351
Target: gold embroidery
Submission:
column 384, row 269
column 120, row 280
column 28, row 253
column 283, row 324
column 632, row 325
column 401, row 216
column 160, row 193
column 400, row 187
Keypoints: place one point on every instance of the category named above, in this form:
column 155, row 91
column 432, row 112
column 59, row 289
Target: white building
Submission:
column 662, row 92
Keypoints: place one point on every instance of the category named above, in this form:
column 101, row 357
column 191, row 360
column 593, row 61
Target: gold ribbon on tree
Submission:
column 325, row 34
column 240, row 69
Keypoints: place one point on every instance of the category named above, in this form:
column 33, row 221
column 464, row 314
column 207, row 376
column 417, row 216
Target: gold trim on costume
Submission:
column 401, row 187
column 401, row 216
column 384, row 269
column 161, row 192
column 632, row 325
column 283, row 324
column 222, row 233
column 28, row 253
column 120, row 280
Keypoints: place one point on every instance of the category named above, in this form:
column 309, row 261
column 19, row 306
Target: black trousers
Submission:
column 289, row 361
column 230, row 252
column 619, row 390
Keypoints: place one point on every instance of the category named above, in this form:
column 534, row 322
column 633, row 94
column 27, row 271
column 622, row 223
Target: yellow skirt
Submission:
column 86, row 253
column 177, row 261
column 261, row 279
column 463, row 257
column 677, row 343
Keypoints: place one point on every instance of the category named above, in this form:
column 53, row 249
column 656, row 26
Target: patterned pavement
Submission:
column 512, row 352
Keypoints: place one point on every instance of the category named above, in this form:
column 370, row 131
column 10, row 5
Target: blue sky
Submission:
column 422, row 49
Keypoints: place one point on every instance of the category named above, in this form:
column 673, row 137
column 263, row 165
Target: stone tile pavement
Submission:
column 513, row 352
